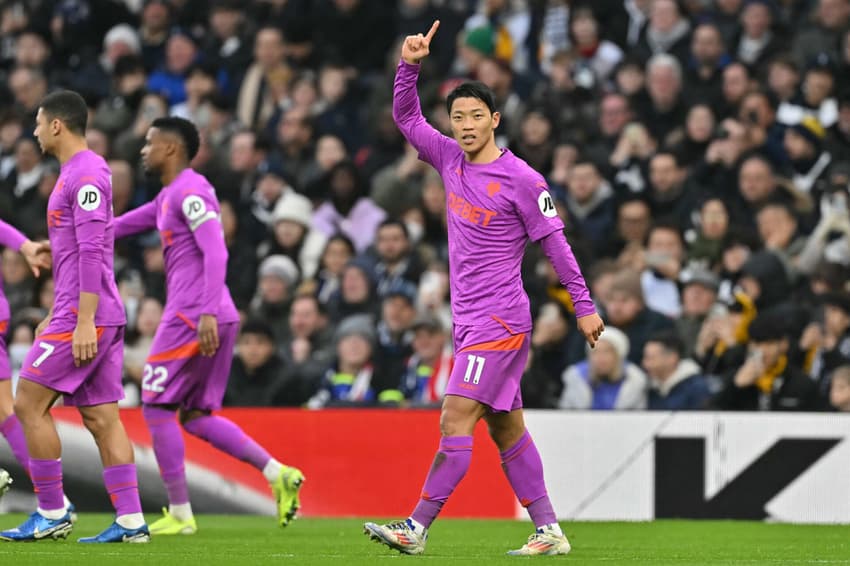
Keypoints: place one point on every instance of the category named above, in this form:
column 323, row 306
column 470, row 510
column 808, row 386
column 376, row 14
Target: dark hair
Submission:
column 305, row 296
column 472, row 89
column 670, row 341
column 258, row 327
column 183, row 128
column 394, row 222
column 69, row 107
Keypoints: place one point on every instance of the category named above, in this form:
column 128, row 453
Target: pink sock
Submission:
column 170, row 451
column 123, row 488
column 14, row 433
column 225, row 435
column 524, row 468
column 449, row 467
column 47, row 479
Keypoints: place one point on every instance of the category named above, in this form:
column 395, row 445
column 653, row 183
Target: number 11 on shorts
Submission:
column 476, row 363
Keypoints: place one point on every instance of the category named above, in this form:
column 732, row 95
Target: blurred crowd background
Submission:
column 698, row 150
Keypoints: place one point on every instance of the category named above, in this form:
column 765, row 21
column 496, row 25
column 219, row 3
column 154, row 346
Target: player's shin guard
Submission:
column 14, row 433
column 449, row 467
column 170, row 452
column 47, row 480
column 521, row 463
column 228, row 437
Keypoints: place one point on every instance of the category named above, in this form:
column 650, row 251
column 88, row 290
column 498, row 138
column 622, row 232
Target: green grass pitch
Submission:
column 257, row 540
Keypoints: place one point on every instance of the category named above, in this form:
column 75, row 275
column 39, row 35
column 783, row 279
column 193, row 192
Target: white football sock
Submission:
column 181, row 511
column 553, row 529
column 418, row 527
column 272, row 470
column 131, row 521
column 52, row 514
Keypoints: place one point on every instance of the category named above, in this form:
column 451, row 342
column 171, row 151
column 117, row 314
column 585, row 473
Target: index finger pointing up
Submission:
column 432, row 31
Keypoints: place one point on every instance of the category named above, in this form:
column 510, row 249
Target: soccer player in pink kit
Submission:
column 78, row 350
column 495, row 203
column 38, row 256
column 192, row 351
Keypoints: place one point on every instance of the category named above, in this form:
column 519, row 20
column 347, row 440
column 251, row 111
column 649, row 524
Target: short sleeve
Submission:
column 536, row 208
column 198, row 208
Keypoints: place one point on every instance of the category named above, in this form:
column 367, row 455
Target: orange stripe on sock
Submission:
column 121, row 485
column 4, row 325
column 185, row 351
column 503, row 345
column 518, row 452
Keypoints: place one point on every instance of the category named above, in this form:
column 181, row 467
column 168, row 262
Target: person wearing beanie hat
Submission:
column 294, row 234
column 803, row 143
column 353, row 379
column 278, row 275
column 768, row 380
column 606, row 379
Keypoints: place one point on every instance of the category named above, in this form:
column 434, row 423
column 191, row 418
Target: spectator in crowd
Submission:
column 626, row 309
column 606, row 380
column 839, row 392
column 293, row 234
column 337, row 253
column 353, row 379
column 153, row 32
column 830, row 339
column 668, row 32
column 823, row 35
column 705, row 71
column 348, row 209
column 601, row 55
column 398, row 262
column 767, row 381
column 663, row 261
column 676, row 381
column 804, row 146
column 264, row 83
column 356, row 294
column 590, row 202
column 181, row 52
column 699, row 295
column 278, row 275
column 705, row 241
column 309, row 350
column 663, row 109
column 258, row 375
column 757, row 41
column 426, row 372
column 395, row 327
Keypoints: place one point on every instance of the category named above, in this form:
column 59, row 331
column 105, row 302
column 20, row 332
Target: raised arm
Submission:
column 407, row 112
column 136, row 221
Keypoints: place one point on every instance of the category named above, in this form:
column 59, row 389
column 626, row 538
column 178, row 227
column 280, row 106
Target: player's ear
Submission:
column 497, row 117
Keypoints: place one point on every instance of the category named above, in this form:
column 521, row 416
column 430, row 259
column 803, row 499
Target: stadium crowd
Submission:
column 698, row 151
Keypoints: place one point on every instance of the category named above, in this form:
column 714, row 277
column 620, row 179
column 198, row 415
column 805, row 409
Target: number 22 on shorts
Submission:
column 473, row 369
column 154, row 378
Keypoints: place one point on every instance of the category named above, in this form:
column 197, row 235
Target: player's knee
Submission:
column 96, row 424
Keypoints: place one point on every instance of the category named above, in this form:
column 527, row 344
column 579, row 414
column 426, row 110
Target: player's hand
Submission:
column 208, row 334
column 591, row 327
column 84, row 343
column 37, row 255
column 417, row 47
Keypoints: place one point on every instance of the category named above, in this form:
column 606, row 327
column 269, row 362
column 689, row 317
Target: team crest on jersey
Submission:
column 547, row 205
column 88, row 197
